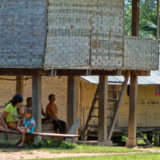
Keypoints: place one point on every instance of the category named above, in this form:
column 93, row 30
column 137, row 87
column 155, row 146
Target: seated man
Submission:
column 51, row 115
column 29, row 102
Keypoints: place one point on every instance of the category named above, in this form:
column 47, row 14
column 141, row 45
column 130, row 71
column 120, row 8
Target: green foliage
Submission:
column 147, row 21
column 50, row 144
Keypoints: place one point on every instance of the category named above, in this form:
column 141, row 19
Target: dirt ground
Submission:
column 16, row 155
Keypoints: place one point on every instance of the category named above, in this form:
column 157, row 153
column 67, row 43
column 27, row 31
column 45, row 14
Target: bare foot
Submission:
column 20, row 145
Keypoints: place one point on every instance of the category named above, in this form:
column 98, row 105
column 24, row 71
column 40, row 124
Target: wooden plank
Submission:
column 19, row 85
column 72, row 101
column 158, row 18
column 44, row 134
column 132, row 121
column 118, row 108
column 36, row 100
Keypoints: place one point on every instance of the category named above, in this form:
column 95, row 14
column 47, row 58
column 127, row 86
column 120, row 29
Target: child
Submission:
column 29, row 125
column 20, row 125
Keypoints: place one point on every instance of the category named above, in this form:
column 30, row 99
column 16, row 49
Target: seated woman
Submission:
column 51, row 115
column 10, row 116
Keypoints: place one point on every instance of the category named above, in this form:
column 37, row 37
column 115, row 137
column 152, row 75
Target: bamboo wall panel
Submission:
column 68, row 39
column 84, row 33
column 22, row 33
column 107, row 35
column 141, row 53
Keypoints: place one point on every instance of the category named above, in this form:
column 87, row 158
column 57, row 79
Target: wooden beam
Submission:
column 19, row 85
column 135, row 17
column 102, row 112
column 158, row 20
column 118, row 108
column 132, row 121
column 68, row 72
column 72, row 101
column 36, row 100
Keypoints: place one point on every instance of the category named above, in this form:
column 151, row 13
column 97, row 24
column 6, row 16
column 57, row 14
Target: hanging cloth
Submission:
column 157, row 90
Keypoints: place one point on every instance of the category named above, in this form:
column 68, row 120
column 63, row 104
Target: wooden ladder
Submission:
column 91, row 115
column 116, row 103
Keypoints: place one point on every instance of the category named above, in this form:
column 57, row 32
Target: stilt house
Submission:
column 74, row 38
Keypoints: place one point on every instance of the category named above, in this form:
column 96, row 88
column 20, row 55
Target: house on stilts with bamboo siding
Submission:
column 74, row 38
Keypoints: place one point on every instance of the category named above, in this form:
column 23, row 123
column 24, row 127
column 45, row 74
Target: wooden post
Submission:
column 132, row 122
column 36, row 100
column 19, row 85
column 135, row 18
column 102, row 119
column 72, row 101
column 158, row 20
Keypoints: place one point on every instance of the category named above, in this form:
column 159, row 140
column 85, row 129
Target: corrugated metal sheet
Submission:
column 154, row 78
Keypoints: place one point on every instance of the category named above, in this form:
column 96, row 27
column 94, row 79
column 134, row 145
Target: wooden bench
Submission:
column 47, row 132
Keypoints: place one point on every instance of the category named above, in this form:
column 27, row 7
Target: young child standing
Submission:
column 20, row 124
column 29, row 125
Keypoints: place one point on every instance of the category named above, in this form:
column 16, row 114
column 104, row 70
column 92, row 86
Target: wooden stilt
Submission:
column 132, row 124
column 102, row 114
column 36, row 100
column 72, row 101
column 135, row 18
column 19, row 85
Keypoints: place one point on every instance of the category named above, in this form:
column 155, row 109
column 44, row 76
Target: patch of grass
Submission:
column 91, row 149
column 65, row 147
column 142, row 156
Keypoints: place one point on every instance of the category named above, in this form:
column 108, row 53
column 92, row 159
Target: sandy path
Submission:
column 45, row 154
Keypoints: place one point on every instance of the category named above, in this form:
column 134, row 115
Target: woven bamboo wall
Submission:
column 141, row 53
column 70, row 34
column 86, row 33
column 22, row 33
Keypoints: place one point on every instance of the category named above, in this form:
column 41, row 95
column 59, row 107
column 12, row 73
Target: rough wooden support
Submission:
column 132, row 122
column 102, row 119
column 19, row 85
column 36, row 100
column 135, row 17
column 72, row 101
column 158, row 19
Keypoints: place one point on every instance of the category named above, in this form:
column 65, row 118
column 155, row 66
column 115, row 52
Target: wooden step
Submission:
column 114, row 91
column 110, row 99
column 94, row 116
column 111, row 108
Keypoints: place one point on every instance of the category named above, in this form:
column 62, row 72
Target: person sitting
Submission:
column 29, row 125
column 9, row 117
column 29, row 102
column 51, row 115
